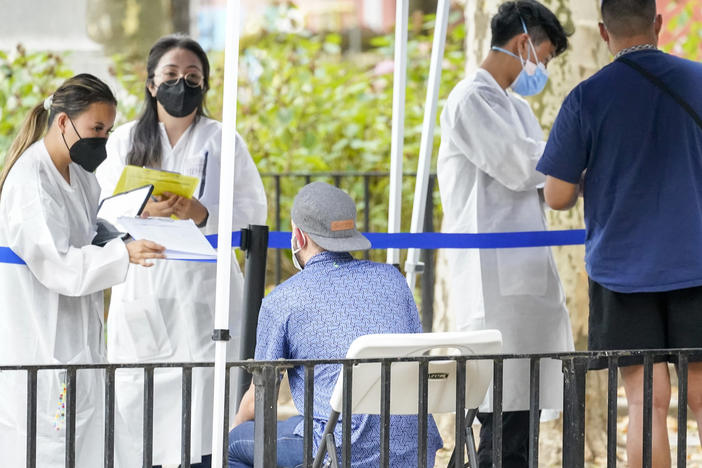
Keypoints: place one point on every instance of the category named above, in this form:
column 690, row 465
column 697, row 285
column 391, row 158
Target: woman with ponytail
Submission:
column 167, row 313
column 51, row 306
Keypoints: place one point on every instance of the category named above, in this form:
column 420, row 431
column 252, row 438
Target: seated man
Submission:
column 317, row 314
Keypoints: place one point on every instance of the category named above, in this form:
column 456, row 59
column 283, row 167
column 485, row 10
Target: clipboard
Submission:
column 126, row 204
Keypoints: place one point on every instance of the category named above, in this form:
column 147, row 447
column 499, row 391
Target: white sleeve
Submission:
column 109, row 171
column 38, row 233
column 250, row 205
column 484, row 131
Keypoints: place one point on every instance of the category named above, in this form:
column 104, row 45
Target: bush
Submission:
column 26, row 79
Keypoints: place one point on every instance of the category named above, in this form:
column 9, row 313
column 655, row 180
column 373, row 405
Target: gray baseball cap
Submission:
column 328, row 215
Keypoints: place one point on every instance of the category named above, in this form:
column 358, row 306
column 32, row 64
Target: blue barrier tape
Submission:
column 403, row 240
column 8, row 256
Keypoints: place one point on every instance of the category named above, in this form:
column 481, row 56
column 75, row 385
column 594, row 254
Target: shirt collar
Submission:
column 328, row 257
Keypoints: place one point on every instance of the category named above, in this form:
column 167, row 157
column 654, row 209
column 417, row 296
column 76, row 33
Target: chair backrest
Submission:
column 404, row 386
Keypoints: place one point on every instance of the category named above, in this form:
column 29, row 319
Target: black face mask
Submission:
column 179, row 100
column 88, row 153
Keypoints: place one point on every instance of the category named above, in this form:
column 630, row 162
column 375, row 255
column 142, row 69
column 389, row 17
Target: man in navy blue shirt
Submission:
column 637, row 154
column 317, row 314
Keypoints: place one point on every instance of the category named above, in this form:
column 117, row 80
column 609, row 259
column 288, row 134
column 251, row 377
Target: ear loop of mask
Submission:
column 294, row 250
column 531, row 47
column 519, row 57
column 74, row 129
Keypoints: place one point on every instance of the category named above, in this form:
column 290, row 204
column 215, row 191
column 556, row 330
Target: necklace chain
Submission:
column 635, row 48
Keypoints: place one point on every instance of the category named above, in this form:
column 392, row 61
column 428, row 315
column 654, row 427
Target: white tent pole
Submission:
column 398, row 124
column 224, row 229
column 412, row 265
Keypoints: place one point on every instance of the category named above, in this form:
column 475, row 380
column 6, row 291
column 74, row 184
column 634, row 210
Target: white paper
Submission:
column 181, row 237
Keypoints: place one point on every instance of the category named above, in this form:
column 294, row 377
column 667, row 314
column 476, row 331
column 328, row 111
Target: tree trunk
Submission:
column 180, row 14
column 128, row 27
column 586, row 54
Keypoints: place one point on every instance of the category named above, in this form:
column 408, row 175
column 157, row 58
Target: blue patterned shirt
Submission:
column 317, row 314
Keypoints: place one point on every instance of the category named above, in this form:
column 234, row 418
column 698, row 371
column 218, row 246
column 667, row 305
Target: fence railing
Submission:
column 274, row 189
column 266, row 379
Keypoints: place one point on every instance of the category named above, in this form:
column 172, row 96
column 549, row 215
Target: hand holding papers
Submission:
column 182, row 239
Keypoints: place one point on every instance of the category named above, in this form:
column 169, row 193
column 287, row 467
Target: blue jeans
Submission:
column 290, row 446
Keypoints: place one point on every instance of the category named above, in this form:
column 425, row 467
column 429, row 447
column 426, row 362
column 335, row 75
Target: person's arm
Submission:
column 559, row 194
column 482, row 129
column 250, row 206
column 246, row 407
column 271, row 344
column 39, row 234
column 565, row 158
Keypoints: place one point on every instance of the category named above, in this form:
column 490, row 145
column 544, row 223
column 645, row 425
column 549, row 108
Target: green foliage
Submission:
column 305, row 106
column 26, row 79
column 682, row 30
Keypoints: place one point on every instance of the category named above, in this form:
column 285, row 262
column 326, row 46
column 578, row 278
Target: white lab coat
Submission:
column 52, row 308
column 166, row 313
column 490, row 144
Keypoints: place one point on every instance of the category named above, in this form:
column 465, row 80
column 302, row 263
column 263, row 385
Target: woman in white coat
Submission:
column 490, row 144
column 167, row 313
column 52, row 307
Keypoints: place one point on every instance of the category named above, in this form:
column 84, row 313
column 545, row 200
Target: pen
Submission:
column 204, row 175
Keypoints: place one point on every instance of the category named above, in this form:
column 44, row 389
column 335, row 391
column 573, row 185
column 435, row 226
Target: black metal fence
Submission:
column 362, row 185
column 265, row 378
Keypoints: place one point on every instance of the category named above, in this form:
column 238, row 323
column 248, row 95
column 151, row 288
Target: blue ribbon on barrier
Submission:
column 403, row 240
column 8, row 256
column 441, row 240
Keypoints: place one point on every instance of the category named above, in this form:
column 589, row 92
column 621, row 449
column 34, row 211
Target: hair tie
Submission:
column 48, row 101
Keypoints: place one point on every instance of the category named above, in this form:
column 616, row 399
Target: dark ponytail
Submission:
column 73, row 97
column 146, row 137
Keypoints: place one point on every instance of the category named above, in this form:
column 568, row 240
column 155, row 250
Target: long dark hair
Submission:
column 146, row 137
column 73, row 97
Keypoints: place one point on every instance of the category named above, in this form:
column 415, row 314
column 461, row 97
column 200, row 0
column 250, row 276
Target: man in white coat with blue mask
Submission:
column 490, row 144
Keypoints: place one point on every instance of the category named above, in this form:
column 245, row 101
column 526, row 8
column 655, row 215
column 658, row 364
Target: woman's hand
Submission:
column 141, row 251
column 162, row 206
column 188, row 208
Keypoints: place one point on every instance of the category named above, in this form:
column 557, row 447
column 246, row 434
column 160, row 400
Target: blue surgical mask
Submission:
column 533, row 77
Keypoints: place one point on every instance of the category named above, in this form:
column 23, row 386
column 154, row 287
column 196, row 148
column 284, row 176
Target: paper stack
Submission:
column 181, row 237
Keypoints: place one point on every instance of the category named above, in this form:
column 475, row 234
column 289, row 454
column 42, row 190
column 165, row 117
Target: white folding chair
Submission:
column 404, row 378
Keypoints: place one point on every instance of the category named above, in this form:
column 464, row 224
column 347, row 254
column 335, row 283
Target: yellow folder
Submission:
column 163, row 181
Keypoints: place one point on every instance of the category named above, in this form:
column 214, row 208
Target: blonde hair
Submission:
column 73, row 97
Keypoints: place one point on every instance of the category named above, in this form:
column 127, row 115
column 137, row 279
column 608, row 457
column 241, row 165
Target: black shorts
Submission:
column 655, row 320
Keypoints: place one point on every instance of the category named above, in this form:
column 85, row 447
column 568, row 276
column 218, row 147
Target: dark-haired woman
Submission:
column 52, row 305
column 167, row 314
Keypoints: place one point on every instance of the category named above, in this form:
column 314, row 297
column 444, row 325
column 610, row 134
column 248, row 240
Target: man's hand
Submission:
column 559, row 194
